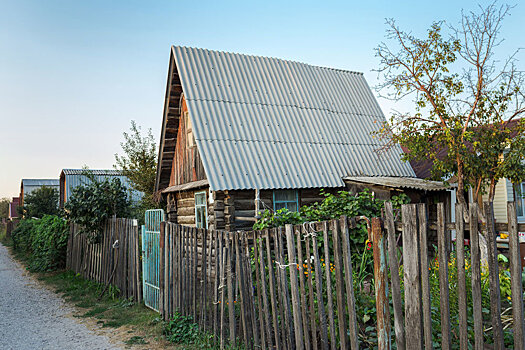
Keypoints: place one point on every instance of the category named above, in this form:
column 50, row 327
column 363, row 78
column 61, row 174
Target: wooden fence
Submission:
column 114, row 259
column 292, row 287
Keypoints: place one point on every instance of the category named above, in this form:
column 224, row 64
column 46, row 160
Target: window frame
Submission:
column 285, row 202
column 190, row 139
column 519, row 197
column 205, row 206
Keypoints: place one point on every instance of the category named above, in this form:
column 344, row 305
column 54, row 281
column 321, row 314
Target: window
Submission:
column 201, row 217
column 520, row 200
column 190, row 140
column 285, row 199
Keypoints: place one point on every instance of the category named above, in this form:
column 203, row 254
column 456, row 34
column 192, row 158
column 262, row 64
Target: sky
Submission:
column 73, row 74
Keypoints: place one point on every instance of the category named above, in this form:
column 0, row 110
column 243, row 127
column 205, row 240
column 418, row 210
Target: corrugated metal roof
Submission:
column 268, row 123
column 400, row 182
column 91, row 171
column 39, row 182
column 77, row 177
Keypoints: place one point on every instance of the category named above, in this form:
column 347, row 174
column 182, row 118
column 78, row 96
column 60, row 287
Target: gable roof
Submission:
column 267, row 123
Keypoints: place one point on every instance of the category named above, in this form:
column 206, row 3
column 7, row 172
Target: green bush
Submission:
column 45, row 242
column 22, row 235
column 49, row 244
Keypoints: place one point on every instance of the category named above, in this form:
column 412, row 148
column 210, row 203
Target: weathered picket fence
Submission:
column 292, row 287
column 114, row 259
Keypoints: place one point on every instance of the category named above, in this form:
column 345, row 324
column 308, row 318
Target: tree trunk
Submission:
column 461, row 191
column 492, row 189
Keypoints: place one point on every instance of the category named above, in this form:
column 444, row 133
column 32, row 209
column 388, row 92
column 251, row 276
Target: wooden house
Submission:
column 243, row 133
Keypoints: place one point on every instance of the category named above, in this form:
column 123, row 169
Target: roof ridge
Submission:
column 267, row 57
column 294, row 142
column 283, row 105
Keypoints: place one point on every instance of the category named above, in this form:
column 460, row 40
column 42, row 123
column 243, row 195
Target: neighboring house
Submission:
column 27, row 186
column 13, row 208
column 72, row 178
column 505, row 192
column 244, row 132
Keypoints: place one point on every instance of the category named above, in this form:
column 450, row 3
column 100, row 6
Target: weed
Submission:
column 135, row 340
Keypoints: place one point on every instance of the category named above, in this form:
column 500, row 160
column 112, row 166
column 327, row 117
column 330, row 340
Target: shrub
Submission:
column 45, row 242
column 22, row 235
column 49, row 244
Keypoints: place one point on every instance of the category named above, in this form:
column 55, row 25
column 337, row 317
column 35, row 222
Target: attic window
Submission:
column 190, row 140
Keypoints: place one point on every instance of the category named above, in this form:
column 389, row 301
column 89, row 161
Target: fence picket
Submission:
column 425, row 282
column 302, row 288
column 475, row 263
column 258, row 281
column 328, row 273
column 264, row 292
column 462, row 283
column 495, row 303
column 231, row 310
column 272, row 283
column 349, row 283
column 412, row 281
column 311, row 301
column 443, row 278
column 319, row 291
column 339, row 280
column 292, row 262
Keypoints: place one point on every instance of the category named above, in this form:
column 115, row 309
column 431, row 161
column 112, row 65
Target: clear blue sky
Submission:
column 74, row 73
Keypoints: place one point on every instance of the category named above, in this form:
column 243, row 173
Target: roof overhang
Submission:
column 399, row 182
column 186, row 186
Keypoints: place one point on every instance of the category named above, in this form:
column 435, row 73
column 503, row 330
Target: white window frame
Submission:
column 205, row 206
column 286, row 206
column 521, row 218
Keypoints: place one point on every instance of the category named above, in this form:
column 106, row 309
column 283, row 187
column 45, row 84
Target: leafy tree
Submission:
column 4, row 208
column 90, row 205
column 40, row 202
column 467, row 102
column 139, row 162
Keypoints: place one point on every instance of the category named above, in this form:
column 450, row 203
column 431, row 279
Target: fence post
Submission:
column 412, row 274
column 381, row 286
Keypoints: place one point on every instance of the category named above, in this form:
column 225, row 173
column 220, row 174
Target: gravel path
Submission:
column 32, row 317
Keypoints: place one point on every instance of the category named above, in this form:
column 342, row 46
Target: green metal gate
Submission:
column 150, row 257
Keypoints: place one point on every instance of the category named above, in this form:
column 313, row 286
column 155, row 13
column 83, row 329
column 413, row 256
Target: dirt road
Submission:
column 32, row 317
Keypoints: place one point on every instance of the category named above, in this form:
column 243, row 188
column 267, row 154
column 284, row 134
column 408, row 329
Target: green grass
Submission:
column 110, row 309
